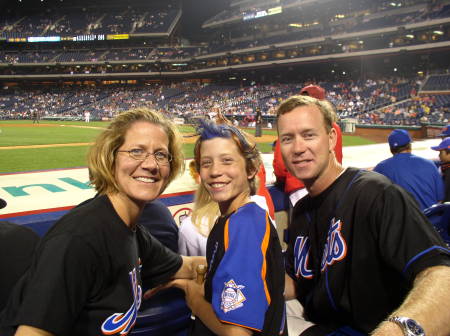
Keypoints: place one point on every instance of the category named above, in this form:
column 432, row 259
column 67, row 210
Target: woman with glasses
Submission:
column 243, row 289
column 86, row 276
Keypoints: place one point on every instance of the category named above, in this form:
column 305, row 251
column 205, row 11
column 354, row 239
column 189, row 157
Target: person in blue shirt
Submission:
column 445, row 132
column 444, row 156
column 417, row 175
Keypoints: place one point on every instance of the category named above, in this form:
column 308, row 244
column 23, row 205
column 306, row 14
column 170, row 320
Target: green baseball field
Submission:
column 25, row 146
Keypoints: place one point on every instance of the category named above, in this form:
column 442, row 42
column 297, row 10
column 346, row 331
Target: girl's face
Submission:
column 223, row 173
column 142, row 180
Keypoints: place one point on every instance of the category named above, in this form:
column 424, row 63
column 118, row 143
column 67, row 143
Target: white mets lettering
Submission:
column 335, row 248
column 121, row 323
column 301, row 256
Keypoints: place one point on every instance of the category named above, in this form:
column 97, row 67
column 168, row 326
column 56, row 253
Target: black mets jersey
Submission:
column 355, row 249
column 245, row 279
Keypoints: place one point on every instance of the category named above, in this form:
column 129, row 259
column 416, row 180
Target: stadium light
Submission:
column 438, row 32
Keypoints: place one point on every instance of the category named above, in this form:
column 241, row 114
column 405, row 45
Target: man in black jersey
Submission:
column 361, row 256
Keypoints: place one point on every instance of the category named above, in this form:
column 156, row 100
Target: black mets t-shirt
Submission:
column 86, row 276
column 355, row 249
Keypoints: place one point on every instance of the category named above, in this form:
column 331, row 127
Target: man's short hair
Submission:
column 399, row 149
column 325, row 107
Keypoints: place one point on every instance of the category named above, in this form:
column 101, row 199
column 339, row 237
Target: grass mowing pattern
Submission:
column 24, row 136
column 42, row 158
column 102, row 124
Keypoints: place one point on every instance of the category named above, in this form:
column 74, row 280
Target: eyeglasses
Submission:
column 141, row 155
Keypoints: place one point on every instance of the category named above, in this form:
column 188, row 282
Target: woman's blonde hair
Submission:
column 102, row 155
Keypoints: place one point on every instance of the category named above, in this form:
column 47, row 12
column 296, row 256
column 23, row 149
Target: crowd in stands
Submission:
column 97, row 55
column 79, row 21
column 267, row 33
column 390, row 101
column 346, row 20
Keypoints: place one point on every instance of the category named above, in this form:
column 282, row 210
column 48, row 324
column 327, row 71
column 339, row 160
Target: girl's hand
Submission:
column 192, row 290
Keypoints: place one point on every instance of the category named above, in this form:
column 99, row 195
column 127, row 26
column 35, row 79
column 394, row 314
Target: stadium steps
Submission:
column 52, row 26
column 380, row 109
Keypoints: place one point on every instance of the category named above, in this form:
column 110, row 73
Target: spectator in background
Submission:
column 159, row 222
column 445, row 132
column 444, row 156
column 416, row 175
column 17, row 245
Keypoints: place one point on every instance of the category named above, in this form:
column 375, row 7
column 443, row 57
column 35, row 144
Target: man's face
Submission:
column 444, row 156
column 305, row 144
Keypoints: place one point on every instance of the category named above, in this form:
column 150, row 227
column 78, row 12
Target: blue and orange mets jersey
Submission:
column 245, row 280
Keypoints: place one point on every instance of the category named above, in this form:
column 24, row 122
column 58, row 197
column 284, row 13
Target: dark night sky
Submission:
column 196, row 12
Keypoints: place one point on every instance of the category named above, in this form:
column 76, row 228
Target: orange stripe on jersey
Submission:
column 225, row 234
column 264, row 246
column 240, row 325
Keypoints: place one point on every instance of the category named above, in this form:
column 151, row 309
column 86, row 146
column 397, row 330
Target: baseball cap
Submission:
column 314, row 91
column 445, row 131
column 399, row 137
column 445, row 144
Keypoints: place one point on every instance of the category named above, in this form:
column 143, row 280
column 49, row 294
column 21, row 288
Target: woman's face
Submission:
column 223, row 173
column 142, row 181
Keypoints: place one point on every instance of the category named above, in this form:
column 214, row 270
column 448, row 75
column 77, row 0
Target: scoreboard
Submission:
column 76, row 38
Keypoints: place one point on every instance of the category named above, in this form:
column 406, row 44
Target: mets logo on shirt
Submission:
column 335, row 250
column 122, row 323
column 232, row 296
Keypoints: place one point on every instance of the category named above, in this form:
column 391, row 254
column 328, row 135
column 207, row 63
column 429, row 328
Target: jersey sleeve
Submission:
column 60, row 284
column 240, row 293
column 158, row 262
column 408, row 241
column 438, row 183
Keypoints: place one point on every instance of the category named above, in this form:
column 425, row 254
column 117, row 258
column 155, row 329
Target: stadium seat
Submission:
column 166, row 313
column 439, row 216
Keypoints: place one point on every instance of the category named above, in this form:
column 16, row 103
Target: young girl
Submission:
column 243, row 291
